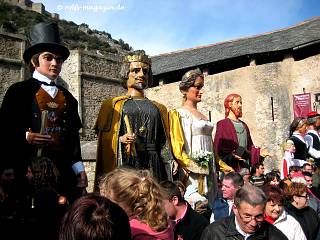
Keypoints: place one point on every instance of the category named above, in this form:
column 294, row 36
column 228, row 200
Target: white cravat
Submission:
column 51, row 90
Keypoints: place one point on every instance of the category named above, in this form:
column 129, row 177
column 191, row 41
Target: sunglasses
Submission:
column 49, row 57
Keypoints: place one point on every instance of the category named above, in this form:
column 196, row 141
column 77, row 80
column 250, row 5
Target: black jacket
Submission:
column 191, row 225
column 19, row 112
column 307, row 218
column 226, row 229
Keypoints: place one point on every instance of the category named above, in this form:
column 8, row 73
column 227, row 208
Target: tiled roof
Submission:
column 289, row 38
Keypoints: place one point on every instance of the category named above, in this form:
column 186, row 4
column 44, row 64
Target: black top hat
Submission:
column 45, row 37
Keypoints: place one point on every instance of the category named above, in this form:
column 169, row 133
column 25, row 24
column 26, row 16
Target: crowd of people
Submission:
column 159, row 174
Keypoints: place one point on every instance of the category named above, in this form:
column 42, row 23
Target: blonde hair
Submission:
column 138, row 193
column 287, row 145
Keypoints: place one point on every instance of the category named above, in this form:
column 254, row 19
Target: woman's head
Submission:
column 191, row 85
column 272, row 178
column 275, row 201
column 299, row 124
column 296, row 194
column 137, row 193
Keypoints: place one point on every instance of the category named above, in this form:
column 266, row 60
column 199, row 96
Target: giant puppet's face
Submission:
column 49, row 65
column 236, row 107
column 194, row 93
column 138, row 75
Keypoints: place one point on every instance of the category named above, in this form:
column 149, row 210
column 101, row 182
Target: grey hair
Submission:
column 189, row 78
column 251, row 195
column 244, row 171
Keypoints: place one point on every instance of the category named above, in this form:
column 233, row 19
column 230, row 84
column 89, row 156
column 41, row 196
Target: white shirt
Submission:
column 230, row 203
column 245, row 235
column 51, row 90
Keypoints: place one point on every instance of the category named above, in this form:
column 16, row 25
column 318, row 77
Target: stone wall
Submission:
column 12, row 68
column 256, row 84
column 94, row 91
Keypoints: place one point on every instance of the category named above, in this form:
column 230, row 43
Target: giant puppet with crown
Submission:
column 132, row 130
column 58, row 137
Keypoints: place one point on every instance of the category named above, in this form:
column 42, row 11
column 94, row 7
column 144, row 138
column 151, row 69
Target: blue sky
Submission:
column 160, row 26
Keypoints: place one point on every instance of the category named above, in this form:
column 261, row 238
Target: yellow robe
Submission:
column 107, row 128
column 177, row 143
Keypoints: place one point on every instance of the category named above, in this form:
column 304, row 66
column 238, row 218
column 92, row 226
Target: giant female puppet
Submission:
column 191, row 138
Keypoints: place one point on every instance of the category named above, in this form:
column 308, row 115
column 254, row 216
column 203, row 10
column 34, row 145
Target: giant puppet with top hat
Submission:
column 40, row 119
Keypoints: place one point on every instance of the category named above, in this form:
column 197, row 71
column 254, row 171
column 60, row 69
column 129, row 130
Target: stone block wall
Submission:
column 94, row 91
column 12, row 68
column 256, row 84
column 9, row 74
column 11, row 45
column 99, row 80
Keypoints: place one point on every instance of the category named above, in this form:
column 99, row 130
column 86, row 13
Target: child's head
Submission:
column 138, row 194
column 95, row 217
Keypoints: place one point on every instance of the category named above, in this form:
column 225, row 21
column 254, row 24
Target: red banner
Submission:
column 301, row 104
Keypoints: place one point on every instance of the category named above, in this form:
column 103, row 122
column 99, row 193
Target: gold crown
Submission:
column 137, row 58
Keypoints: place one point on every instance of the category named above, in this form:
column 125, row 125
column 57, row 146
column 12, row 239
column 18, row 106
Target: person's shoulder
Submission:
column 160, row 106
column 197, row 217
column 114, row 100
column 223, row 223
column 273, row 232
column 223, row 121
column 218, row 229
column 23, row 88
column 184, row 112
column 25, row 83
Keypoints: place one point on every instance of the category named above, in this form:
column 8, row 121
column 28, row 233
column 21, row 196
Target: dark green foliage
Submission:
column 14, row 19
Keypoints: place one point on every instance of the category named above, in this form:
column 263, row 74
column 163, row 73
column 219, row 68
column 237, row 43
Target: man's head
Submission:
column 48, row 64
column 233, row 103
column 294, row 170
column 136, row 71
column 307, row 167
column 308, row 178
column 248, row 207
column 46, row 53
column 230, row 184
column 7, row 178
column 299, row 124
column 172, row 198
column 313, row 119
column 258, row 169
